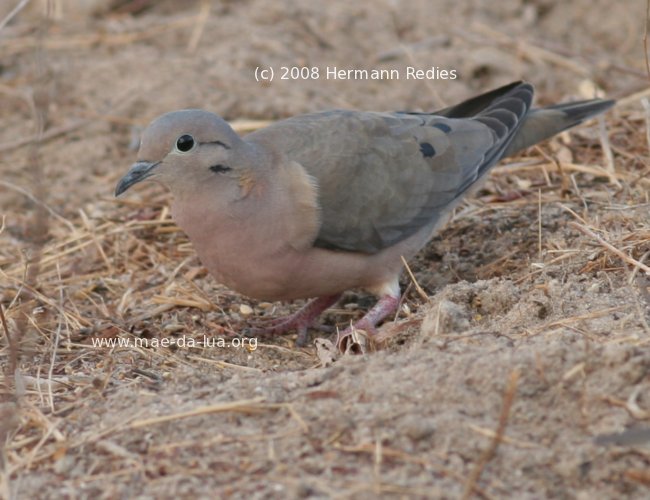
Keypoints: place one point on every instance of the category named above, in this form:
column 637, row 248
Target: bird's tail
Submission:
column 543, row 123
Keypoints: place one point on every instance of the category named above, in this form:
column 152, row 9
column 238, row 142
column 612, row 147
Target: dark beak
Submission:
column 139, row 171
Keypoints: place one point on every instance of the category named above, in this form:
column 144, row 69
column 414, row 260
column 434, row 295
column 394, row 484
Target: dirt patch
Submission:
column 523, row 289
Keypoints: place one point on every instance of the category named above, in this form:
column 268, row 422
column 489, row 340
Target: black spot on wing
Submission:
column 427, row 150
column 442, row 126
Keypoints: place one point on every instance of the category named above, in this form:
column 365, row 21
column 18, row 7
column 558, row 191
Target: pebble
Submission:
column 245, row 309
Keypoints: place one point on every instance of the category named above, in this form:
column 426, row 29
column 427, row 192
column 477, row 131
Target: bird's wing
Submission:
column 381, row 177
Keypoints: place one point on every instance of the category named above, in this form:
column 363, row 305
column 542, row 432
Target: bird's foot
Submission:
column 358, row 337
column 299, row 321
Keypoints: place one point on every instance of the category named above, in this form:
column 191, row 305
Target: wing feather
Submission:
column 381, row 177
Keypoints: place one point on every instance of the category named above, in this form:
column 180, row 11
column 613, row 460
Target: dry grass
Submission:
column 124, row 275
column 126, row 271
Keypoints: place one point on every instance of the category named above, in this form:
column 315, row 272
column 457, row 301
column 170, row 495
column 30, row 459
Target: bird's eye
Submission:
column 184, row 143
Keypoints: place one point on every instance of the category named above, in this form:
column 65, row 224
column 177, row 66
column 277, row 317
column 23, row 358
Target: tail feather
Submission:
column 543, row 123
column 539, row 124
column 478, row 104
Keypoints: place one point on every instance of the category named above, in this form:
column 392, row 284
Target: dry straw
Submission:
column 127, row 270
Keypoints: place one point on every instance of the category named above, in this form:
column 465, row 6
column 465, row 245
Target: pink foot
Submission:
column 299, row 321
column 384, row 307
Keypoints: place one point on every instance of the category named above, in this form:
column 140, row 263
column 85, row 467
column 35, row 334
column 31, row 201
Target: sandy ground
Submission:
column 522, row 369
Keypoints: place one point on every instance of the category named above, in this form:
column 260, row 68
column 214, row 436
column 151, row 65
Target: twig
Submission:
column 21, row 5
column 645, row 38
column 77, row 42
column 646, row 107
column 249, row 125
column 539, row 225
column 634, row 271
column 199, row 27
column 532, row 52
column 55, row 346
column 38, row 202
column 586, row 231
column 13, row 355
column 490, row 452
column 242, row 406
column 44, row 136
column 296, row 416
column 607, row 150
column 422, row 293
column 223, row 364
column 513, row 442
column 568, row 210
column 565, row 322
column 563, row 169
column 631, row 99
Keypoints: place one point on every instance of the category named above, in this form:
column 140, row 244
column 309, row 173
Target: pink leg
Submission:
column 384, row 307
column 299, row 321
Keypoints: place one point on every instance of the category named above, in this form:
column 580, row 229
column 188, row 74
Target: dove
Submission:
column 317, row 204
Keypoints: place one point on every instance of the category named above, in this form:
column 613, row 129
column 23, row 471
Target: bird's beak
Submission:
column 139, row 171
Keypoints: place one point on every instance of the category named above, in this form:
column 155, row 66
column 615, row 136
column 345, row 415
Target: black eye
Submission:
column 184, row 143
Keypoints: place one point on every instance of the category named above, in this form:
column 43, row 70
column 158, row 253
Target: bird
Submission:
column 317, row 204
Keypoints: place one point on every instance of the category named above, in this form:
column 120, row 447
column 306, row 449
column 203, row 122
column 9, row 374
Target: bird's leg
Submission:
column 384, row 307
column 300, row 321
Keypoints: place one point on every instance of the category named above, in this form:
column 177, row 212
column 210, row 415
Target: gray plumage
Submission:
column 376, row 187
column 317, row 204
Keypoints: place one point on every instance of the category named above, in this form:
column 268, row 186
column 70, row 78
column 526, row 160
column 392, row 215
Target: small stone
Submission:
column 418, row 429
column 445, row 317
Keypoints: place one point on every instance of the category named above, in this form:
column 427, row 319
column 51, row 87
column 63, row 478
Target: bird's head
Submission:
column 184, row 150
